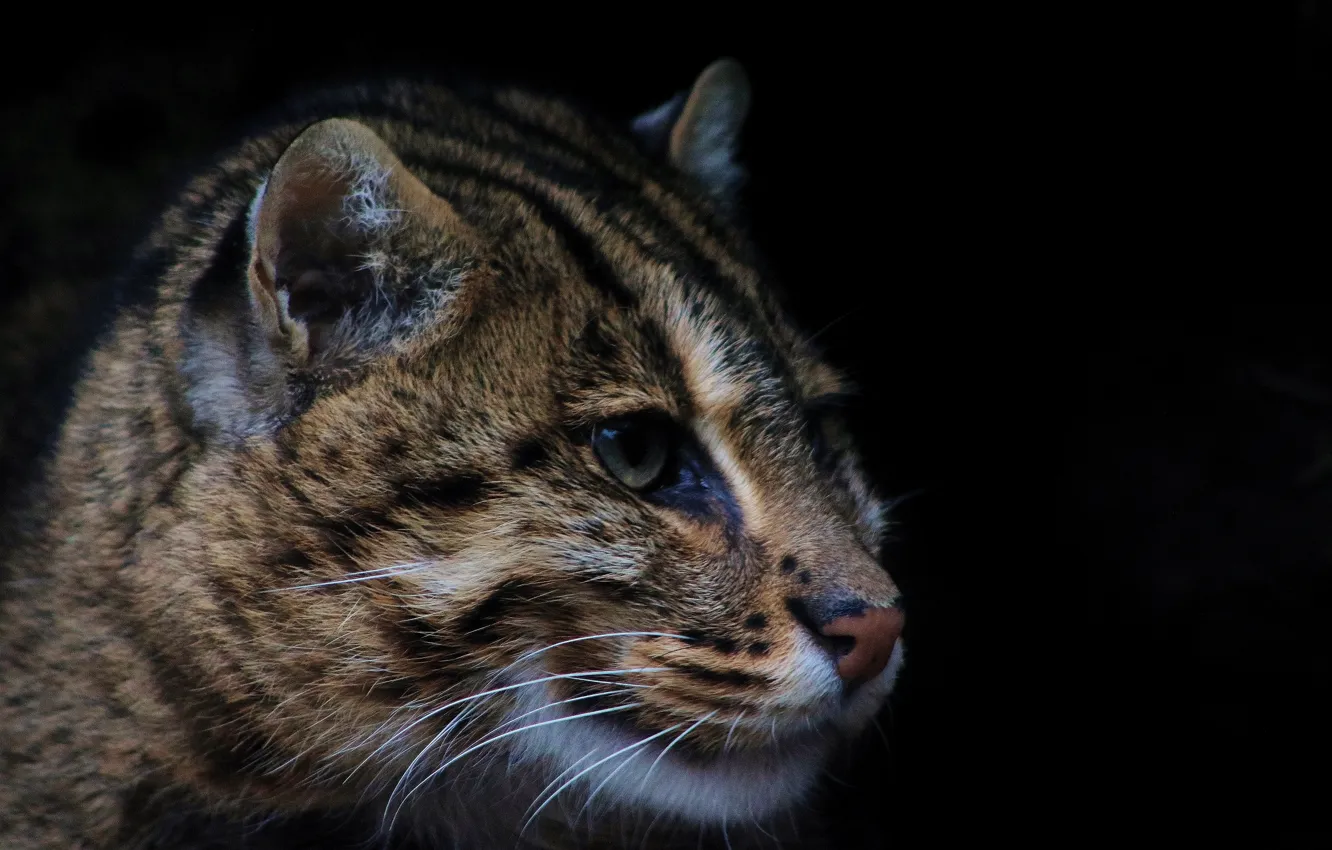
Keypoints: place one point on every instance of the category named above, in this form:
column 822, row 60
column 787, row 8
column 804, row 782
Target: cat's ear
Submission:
column 699, row 132
column 346, row 253
column 323, row 229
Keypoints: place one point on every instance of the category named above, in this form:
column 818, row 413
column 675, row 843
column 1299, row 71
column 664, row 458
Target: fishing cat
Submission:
column 448, row 476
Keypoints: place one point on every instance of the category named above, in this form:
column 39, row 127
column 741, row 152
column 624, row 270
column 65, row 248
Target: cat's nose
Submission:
column 859, row 637
column 873, row 632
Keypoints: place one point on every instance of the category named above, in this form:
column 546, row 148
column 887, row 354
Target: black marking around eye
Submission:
column 759, row 647
column 804, row 577
column 756, row 621
column 788, row 564
column 698, row 489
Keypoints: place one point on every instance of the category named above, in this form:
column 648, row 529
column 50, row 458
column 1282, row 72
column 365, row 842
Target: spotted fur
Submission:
column 328, row 477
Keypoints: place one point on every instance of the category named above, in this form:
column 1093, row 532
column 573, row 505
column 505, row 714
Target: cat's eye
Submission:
column 636, row 450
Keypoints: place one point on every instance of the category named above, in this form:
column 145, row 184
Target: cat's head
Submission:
column 511, row 455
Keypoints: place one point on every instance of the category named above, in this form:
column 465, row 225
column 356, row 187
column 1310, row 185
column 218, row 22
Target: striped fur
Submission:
column 280, row 548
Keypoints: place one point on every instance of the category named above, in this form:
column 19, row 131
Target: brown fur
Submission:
column 166, row 657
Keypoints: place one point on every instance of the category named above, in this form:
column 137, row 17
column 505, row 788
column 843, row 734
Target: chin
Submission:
column 596, row 763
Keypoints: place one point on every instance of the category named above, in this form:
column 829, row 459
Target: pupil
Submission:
column 633, row 446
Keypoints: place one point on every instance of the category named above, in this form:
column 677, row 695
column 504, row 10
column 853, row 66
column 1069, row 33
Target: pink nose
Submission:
column 875, row 632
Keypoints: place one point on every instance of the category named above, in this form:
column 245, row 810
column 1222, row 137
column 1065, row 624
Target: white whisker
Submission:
column 623, row 765
column 537, row 652
column 493, row 739
column 705, row 718
column 589, row 754
column 882, row 736
column 364, row 575
column 491, row 692
column 600, row 682
column 562, row 702
column 727, row 745
column 591, row 767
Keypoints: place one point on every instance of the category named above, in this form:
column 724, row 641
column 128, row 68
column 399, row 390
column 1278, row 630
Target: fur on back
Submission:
column 324, row 547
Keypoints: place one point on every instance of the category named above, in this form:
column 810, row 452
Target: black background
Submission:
column 1058, row 292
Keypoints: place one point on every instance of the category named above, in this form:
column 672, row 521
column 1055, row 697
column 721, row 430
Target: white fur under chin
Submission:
column 739, row 786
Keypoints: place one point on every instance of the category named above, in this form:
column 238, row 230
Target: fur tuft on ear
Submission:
column 699, row 132
column 348, row 253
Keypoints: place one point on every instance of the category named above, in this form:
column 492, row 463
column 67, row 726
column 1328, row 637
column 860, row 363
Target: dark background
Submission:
column 1059, row 297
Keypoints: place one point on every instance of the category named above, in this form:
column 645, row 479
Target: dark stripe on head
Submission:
column 596, row 267
column 669, row 243
column 455, row 490
column 616, row 152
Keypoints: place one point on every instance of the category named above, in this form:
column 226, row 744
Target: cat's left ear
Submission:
column 699, row 132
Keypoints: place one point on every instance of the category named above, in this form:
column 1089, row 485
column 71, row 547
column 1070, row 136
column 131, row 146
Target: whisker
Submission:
column 493, row 739
column 726, row 745
column 828, row 326
column 591, row 767
column 473, row 701
column 837, row 779
column 562, row 702
column 619, row 768
column 537, row 652
column 491, row 692
column 882, row 737
column 364, row 575
column 648, row 831
column 759, row 826
column 599, row 682
column 662, row 754
column 592, row 753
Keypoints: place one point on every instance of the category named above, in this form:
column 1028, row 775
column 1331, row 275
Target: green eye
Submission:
column 635, row 451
